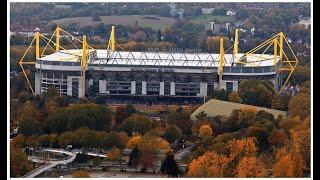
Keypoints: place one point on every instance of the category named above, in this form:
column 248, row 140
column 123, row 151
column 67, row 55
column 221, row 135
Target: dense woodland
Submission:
column 279, row 146
column 247, row 143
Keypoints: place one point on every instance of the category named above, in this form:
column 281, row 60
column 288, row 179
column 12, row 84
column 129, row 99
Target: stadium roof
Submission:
column 102, row 56
column 216, row 107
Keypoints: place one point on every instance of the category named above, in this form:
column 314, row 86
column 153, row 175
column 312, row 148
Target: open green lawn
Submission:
column 63, row 6
column 161, row 23
column 206, row 19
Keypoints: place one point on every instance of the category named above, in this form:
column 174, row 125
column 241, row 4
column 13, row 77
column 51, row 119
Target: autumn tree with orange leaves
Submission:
column 290, row 161
column 251, row 166
column 210, row 164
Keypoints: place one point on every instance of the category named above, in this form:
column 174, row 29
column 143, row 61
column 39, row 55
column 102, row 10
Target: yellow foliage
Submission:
column 134, row 141
column 151, row 143
column 205, row 131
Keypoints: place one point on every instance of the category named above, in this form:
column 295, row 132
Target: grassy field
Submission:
column 206, row 19
column 63, row 6
column 161, row 23
column 216, row 107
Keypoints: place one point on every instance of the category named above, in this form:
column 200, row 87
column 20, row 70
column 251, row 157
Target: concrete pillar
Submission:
column 161, row 88
column 102, row 86
column 222, row 85
column 172, row 88
column 69, row 85
column 203, row 89
column 37, row 83
column 81, row 87
column 235, row 86
column 133, row 87
column 144, row 87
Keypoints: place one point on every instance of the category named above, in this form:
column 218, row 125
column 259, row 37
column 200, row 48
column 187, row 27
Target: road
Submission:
column 183, row 153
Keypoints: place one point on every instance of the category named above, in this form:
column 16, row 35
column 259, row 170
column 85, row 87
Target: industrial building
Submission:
column 157, row 75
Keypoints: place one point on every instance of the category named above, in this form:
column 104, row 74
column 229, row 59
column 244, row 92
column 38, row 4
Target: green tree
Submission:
column 66, row 138
column 113, row 140
column 258, row 93
column 124, row 112
column 44, row 140
column 29, row 127
column 32, row 141
column 134, row 157
column 95, row 117
column 170, row 167
column 19, row 141
column 137, row 123
column 172, row 133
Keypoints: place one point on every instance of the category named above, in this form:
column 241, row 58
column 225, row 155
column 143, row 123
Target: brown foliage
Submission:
column 234, row 97
column 81, row 174
column 300, row 106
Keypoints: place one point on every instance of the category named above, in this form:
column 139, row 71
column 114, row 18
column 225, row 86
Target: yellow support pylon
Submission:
column 37, row 45
column 281, row 45
column 236, row 42
column 112, row 39
column 221, row 62
column 57, row 39
column 84, row 54
column 275, row 52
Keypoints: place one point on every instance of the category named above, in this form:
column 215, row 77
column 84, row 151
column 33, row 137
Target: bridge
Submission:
column 49, row 162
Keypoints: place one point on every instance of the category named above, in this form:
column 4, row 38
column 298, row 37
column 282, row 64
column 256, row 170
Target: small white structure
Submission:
column 230, row 13
column 305, row 22
column 252, row 31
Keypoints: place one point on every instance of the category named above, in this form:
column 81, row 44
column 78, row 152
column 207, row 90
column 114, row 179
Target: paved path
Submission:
column 48, row 163
column 178, row 156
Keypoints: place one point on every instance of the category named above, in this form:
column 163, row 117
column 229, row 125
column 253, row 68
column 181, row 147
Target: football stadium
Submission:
column 154, row 76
